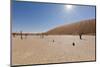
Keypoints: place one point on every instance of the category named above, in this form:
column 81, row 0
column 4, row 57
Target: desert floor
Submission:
column 52, row 49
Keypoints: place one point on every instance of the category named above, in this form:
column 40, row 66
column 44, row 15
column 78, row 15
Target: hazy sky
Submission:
column 40, row 17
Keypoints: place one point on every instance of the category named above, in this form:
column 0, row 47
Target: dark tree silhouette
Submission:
column 21, row 35
column 80, row 35
column 81, row 29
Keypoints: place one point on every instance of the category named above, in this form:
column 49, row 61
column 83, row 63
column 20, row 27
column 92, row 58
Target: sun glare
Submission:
column 69, row 7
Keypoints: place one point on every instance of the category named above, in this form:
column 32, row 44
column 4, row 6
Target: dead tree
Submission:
column 81, row 29
column 21, row 35
column 80, row 35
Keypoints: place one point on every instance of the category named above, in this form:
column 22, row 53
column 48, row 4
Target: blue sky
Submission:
column 41, row 17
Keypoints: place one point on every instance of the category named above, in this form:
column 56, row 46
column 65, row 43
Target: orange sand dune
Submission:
column 85, row 27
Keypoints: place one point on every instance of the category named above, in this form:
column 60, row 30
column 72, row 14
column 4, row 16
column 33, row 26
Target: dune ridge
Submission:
column 84, row 27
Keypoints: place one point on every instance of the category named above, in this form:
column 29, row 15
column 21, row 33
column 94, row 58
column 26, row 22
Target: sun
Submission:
column 69, row 7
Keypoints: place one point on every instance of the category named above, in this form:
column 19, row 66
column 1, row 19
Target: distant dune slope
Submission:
column 84, row 27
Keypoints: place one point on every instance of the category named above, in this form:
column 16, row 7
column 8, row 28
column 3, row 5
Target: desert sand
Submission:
column 52, row 49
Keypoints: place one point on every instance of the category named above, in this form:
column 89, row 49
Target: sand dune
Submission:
column 85, row 27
